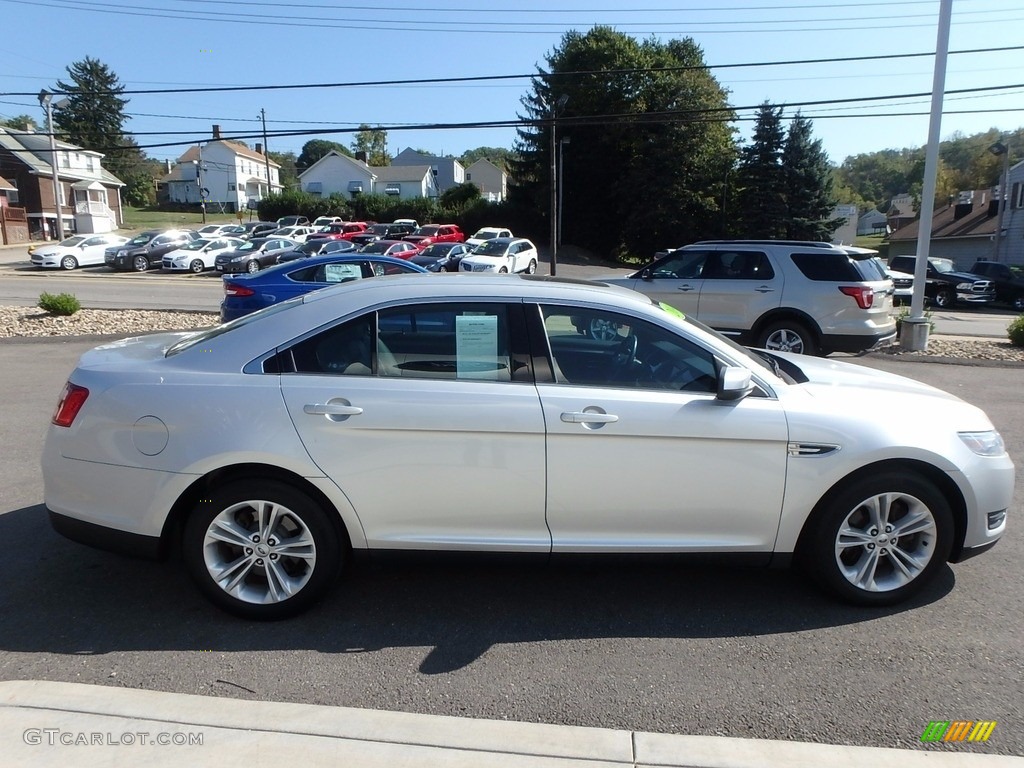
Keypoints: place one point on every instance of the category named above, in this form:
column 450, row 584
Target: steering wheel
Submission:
column 626, row 355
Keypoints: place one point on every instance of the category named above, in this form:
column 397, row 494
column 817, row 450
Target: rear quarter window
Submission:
column 827, row 267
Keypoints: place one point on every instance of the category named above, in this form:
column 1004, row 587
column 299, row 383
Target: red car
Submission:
column 340, row 231
column 398, row 249
column 429, row 234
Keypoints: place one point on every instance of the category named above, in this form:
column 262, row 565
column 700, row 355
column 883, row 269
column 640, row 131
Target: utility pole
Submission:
column 266, row 149
column 199, row 183
column 46, row 101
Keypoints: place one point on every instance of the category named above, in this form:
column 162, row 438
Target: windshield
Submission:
column 140, row 239
column 378, row 229
column 195, row 245
column 484, row 234
column 250, row 245
column 491, row 248
column 437, row 250
column 430, row 231
column 376, row 248
column 210, row 229
column 942, row 265
column 71, row 241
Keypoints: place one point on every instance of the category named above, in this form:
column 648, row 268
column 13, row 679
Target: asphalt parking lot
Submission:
column 681, row 650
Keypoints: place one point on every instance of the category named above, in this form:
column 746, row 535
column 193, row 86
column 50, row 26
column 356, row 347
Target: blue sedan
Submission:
column 249, row 292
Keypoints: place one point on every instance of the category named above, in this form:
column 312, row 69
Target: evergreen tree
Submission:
column 94, row 118
column 639, row 173
column 808, row 176
column 761, row 209
column 19, row 123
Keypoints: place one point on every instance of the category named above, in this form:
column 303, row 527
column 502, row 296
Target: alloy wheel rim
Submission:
column 259, row 552
column 785, row 340
column 885, row 542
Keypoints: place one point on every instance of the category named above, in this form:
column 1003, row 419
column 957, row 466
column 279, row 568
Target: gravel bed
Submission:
column 32, row 321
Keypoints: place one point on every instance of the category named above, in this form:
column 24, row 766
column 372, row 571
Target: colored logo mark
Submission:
column 958, row 730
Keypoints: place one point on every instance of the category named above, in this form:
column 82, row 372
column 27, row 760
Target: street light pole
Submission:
column 46, row 102
column 199, row 182
column 266, row 149
column 999, row 148
column 561, row 183
column 555, row 107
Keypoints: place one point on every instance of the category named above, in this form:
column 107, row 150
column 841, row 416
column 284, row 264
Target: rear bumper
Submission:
column 841, row 343
column 108, row 539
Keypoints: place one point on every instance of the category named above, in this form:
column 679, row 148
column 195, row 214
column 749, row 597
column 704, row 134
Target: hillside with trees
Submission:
column 871, row 179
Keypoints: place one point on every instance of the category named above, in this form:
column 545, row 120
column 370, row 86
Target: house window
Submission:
column 1017, row 195
column 469, row 177
column 13, row 195
column 393, row 189
column 231, row 187
column 91, row 163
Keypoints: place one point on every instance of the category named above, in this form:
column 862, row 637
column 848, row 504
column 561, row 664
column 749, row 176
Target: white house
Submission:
column 489, row 179
column 448, row 172
column 871, row 223
column 232, row 175
column 847, row 231
column 336, row 173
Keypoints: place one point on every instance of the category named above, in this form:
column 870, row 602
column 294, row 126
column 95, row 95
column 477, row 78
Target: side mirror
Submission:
column 645, row 273
column 734, row 384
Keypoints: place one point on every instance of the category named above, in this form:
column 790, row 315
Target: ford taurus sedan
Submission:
column 267, row 449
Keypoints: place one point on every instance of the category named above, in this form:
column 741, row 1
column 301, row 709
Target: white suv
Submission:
column 785, row 295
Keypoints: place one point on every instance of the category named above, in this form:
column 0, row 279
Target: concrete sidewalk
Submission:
column 69, row 724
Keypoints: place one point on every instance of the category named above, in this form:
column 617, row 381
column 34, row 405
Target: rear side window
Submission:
column 827, row 267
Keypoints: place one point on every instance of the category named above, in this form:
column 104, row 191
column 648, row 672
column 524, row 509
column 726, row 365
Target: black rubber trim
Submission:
column 839, row 343
column 966, row 553
column 109, row 539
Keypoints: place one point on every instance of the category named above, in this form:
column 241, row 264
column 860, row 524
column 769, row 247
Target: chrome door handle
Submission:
column 588, row 417
column 331, row 409
column 686, row 287
column 764, row 289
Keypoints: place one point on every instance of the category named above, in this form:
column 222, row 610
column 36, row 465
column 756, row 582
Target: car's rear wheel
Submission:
column 1018, row 304
column 880, row 539
column 532, row 268
column 944, row 298
column 140, row 263
column 196, row 266
column 68, row 262
column 261, row 549
column 252, row 266
column 788, row 336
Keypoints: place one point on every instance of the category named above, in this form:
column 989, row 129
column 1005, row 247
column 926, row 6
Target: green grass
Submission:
column 144, row 218
column 869, row 241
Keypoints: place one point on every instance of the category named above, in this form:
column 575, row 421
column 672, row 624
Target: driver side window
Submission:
column 596, row 348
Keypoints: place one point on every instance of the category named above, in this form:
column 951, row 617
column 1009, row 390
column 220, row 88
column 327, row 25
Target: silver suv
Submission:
column 791, row 296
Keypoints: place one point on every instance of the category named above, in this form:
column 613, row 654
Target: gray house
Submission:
column 447, row 171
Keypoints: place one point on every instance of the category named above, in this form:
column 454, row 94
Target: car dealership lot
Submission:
column 701, row 651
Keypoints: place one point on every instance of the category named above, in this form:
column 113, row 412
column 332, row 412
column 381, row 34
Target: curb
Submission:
column 242, row 733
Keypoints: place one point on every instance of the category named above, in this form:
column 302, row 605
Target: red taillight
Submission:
column 234, row 289
column 864, row 296
column 71, row 401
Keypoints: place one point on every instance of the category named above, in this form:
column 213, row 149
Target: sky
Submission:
column 160, row 44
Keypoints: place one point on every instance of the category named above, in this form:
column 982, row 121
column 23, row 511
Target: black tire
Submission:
column 140, row 264
column 503, row 271
column 252, row 266
column 788, row 336
column 1018, row 304
column 69, row 263
column 908, row 497
column 196, row 266
column 532, row 268
column 944, row 298
column 298, row 516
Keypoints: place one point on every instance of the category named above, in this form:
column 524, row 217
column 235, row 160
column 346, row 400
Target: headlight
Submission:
column 984, row 443
column 965, row 286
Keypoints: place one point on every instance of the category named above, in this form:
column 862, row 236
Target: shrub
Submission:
column 1016, row 332
column 59, row 304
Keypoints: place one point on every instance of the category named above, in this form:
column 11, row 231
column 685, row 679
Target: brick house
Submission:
column 90, row 196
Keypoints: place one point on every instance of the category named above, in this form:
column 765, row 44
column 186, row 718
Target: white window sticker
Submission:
column 476, row 347
column 337, row 273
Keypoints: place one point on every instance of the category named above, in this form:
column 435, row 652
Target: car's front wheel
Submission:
column 261, row 549
column 252, row 266
column 880, row 539
column 196, row 266
column 68, row 262
column 140, row 263
column 944, row 298
column 788, row 336
column 1018, row 303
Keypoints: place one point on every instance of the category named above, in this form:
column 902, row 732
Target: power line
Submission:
column 529, row 76
column 388, row 26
